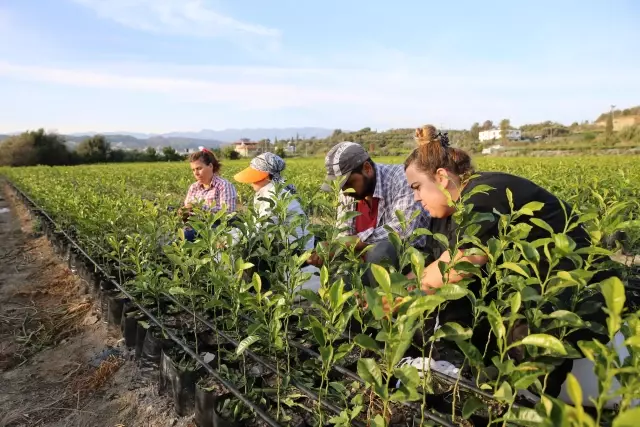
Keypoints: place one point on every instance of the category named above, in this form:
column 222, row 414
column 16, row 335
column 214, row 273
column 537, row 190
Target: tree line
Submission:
column 42, row 148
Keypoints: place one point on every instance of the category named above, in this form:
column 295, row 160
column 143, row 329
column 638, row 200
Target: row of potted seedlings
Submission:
column 192, row 387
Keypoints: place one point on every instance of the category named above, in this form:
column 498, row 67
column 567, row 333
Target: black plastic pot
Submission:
column 151, row 352
column 179, row 384
column 141, row 333
column 129, row 323
column 116, row 304
column 207, row 401
column 105, row 296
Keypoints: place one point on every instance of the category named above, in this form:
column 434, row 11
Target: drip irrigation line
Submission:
column 309, row 393
column 261, row 413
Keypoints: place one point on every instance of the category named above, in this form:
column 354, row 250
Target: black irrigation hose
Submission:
column 152, row 318
column 258, row 359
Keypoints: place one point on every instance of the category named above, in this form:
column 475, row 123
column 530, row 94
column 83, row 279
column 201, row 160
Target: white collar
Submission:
column 264, row 190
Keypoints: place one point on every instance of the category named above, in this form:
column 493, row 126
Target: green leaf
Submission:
column 516, row 302
column 574, row 390
column 471, row 405
column 365, row 341
column 382, row 277
column 633, row 341
column 453, row 331
column 451, row 292
column 374, row 302
column 310, row 296
column 505, row 392
column 628, row 418
column 369, row 371
column 318, row 332
column 614, row 296
column 470, row 351
column 335, row 293
column 417, row 262
column 343, row 350
column 326, row 353
column 568, row 317
column 542, row 224
column 530, row 294
column 442, row 239
column 514, row 267
column 257, row 282
column 526, row 417
column 408, row 375
column 246, row 343
column 531, row 207
column 421, row 304
column 378, row 421
column 324, row 275
column 509, row 197
column 563, row 244
column 545, row 341
column 530, row 252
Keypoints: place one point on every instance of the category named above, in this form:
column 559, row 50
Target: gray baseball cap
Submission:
column 341, row 160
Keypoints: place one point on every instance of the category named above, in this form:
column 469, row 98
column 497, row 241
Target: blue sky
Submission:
column 172, row 65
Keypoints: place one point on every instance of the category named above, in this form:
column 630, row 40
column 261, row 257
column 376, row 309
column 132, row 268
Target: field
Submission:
column 329, row 360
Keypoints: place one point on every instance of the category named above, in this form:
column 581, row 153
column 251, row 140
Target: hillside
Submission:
column 627, row 112
column 255, row 134
column 131, row 142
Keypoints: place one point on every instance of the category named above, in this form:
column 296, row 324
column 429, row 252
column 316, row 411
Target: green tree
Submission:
column 151, row 154
column 505, row 125
column 488, row 124
column 230, row 153
column 475, row 131
column 94, row 149
column 280, row 152
column 170, row 154
column 34, row 148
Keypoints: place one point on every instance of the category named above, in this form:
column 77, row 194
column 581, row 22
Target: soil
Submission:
column 59, row 363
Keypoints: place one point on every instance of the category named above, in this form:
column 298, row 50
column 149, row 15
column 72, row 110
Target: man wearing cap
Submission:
column 379, row 190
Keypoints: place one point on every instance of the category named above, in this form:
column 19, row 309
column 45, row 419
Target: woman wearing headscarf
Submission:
column 265, row 176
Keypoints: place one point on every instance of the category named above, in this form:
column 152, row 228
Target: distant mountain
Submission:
column 128, row 141
column 231, row 135
column 131, row 142
column 191, row 140
column 133, row 134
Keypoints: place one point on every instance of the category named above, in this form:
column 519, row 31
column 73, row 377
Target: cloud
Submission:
column 245, row 94
column 402, row 94
column 191, row 18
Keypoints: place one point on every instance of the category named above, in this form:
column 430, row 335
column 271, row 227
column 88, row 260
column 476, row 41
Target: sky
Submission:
column 177, row 65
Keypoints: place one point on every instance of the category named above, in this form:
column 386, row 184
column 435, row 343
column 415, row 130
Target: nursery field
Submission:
column 232, row 352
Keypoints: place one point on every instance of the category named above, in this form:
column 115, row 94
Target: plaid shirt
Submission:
column 394, row 193
column 221, row 192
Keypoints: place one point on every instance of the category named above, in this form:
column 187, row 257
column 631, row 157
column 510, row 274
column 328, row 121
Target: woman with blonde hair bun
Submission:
column 440, row 174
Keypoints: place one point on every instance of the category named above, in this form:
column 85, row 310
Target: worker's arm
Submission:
column 433, row 279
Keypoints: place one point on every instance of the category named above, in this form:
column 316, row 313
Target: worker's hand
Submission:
column 387, row 308
column 315, row 260
column 185, row 212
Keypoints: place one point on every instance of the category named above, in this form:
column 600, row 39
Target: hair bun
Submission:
column 426, row 134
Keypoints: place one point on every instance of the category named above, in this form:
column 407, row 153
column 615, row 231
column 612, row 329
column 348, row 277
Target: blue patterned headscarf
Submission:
column 273, row 165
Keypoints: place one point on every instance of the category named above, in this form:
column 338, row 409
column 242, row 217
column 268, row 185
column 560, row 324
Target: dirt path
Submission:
column 53, row 371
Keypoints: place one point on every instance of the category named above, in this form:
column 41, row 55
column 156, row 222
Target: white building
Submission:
column 495, row 134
